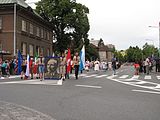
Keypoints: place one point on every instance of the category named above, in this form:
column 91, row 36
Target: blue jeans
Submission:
column 41, row 68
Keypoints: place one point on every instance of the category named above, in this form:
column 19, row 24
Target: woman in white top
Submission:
column 96, row 65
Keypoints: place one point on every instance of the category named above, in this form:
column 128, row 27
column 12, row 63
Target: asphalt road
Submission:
column 94, row 96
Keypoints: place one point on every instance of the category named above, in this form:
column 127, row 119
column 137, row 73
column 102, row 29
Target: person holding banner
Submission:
column 68, row 65
column 76, row 61
column 31, row 66
column 41, row 66
column 63, row 66
column 24, row 66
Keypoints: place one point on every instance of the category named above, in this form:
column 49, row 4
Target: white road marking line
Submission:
column 88, row 86
column 147, row 77
column 111, row 77
column 135, row 77
column 91, row 76
column 60, row 82
column 158, row 86
column 158, row 77
column 101, row 76
column 35, row 82
column 141, row 82
column 137, row 85
column 18, row 82
column 143, row 91
column 17, row 76
column 123, row 76
column 83, row 75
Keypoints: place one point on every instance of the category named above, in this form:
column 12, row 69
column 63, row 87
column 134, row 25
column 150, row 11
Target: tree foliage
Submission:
column 149, row 50
column 120, row 55
column 91, row 52
column 136, row 54
column 69, row 21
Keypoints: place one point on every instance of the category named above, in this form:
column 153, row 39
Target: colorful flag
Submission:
column 20, row 60
column 27, row 68
column 82, row 59
column 69, row 61
column 36, row 58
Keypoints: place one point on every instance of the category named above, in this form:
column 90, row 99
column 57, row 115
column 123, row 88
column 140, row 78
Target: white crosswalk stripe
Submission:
column 123, row 76
column 111, row 77
column 135, row 77
column 83, row 75
column 147, row 77
column 158, row 77
column 100, row 76
column 91, row 76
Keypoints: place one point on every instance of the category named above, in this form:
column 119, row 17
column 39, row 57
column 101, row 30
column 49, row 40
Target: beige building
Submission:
column 105, row 51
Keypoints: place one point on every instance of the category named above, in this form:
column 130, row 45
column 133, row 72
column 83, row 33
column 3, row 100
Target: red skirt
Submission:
column 35, row 69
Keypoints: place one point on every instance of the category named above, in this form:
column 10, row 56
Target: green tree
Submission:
column 69, row 21
column 149, row 50
column 120, row 56
column 134, row 54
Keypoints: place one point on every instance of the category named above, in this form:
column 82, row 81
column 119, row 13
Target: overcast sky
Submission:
column 123, row 23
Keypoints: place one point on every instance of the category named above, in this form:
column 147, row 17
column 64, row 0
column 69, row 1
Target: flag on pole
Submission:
column 35, row 64
column 27, row 68
column 82, row 59
column 20, row 60
column 69, row 61
column 36, row 58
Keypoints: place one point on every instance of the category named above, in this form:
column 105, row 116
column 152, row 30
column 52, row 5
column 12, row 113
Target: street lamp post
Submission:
column 158, row 37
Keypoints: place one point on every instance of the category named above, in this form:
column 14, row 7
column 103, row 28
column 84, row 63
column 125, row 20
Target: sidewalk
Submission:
column 11, row 77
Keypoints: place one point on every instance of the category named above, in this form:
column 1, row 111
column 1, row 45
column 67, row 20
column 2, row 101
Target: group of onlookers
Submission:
column 102, row 65
column 8, row 68
column 146, row 66
column 37, row 66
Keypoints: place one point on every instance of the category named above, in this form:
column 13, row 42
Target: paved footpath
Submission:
column 9, row 111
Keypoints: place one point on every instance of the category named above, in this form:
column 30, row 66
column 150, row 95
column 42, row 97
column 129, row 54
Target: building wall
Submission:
column 102, row 55
column 110, row 56
column 42, row 41
column 6, row 33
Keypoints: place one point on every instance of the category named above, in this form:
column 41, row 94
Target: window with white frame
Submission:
column 45, row 34
column 31, row 28
column 48, row 52
column 48, row 35
column 42, row 34
column 42, row 50
column 38, row 32
column 24, row 48
column 24, row 26
column 31, row 50
column 0, row 23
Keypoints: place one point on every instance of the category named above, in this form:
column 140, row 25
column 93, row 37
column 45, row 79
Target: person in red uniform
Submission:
column 136, row 66
column 31, row 67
